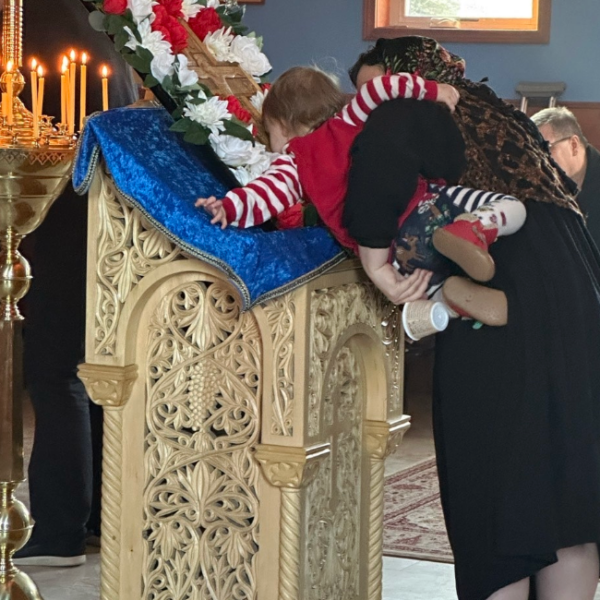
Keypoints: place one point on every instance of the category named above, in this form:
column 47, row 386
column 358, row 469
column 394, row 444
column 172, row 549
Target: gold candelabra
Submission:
column 35, row 166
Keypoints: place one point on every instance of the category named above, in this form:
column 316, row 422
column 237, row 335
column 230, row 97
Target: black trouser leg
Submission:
column 61, row 468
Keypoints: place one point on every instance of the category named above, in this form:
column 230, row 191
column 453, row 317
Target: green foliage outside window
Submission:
column 433, row 8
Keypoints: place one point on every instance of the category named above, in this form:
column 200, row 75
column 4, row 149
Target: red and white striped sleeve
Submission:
column 270, row 194
column 386, row 87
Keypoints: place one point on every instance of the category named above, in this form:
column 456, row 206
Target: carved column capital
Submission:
column 383, row 437
column 291, row 468
column 108, row 385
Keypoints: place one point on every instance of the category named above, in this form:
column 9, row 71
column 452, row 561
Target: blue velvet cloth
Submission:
column 162, row 176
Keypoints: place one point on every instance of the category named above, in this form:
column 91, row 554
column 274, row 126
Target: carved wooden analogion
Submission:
column 244, row 452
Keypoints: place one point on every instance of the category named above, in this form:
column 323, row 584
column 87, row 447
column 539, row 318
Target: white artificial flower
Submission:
column 236, row 152
column 132, row 43
column 258, row 99
column 140, row 9
column 262, row 161
column 245, row 50
column 187, row 77
column 152, row 40
column 209, row 114
column 213, row 4
column 242, row 175
column 246, row 159
column 232, row 150
column 219, row 43
column 247, row 173
column 162, row 65
column 190, row 8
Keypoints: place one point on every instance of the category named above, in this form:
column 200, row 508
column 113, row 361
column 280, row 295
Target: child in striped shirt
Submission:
column 312, row 127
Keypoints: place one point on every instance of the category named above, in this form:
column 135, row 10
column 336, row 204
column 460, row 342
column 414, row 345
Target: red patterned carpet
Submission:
column 413, row 523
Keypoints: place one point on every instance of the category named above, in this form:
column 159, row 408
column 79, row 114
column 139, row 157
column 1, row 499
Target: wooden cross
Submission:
column 223, row 78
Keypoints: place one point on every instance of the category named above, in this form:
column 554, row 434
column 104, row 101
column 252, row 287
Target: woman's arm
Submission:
column 401, row 140
column 396, row 287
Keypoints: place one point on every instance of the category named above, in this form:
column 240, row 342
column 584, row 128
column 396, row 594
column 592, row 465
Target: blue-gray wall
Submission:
column 329, row 33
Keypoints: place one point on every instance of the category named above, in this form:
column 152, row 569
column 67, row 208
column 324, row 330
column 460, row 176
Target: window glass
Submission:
column 470, row 9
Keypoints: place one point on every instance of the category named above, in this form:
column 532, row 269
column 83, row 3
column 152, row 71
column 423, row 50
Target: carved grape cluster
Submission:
column 203, row 388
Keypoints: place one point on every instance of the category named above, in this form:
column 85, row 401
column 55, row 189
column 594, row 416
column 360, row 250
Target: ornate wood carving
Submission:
column 381, row 439
column 108, row 385
column 127, row 249
column 334, row 310
column 204, row 388
column 112, row 496
column 333, row 500
column 291, row 469
column 197, row 424
column 281, row 317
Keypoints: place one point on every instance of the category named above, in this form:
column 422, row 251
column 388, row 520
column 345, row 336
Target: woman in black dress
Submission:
column 516, row 408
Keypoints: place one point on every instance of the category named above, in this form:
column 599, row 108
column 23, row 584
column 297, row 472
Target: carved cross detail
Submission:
column 222, row 78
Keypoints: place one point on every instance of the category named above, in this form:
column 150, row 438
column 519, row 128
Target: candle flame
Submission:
column 33, row 64
column 72, row 55
column 40, row 71
column 9, row 66
column 65, row 64
column 105, row 71
column 84, row 58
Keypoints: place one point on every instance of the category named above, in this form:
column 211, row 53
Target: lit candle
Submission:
column 9, row 92
column 83, row 90
column 4, row 105
column 64, row 90
column 34, row 99
column 72, row 77
column 41, row 81
column 104, row 88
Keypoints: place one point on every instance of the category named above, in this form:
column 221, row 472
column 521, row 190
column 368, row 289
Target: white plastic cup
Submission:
column 424, row 317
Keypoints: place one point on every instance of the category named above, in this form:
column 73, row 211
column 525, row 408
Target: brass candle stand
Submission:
column 34, row 171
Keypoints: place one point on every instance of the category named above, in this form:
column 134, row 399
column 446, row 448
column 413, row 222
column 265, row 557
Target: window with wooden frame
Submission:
column 499, row 21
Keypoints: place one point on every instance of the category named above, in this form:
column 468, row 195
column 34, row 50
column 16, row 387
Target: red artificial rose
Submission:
column 265, row 87
column 173, row 7
column 115, row 7
column 173, row 31
column 205, row 22
column 291, row 217
column 165, row 32
column 234, row 106
column 161, row 17
column 179, row 35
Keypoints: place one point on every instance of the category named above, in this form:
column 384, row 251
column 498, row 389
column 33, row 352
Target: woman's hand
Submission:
column 396, row 287
column 448, row 95
column 215, row 208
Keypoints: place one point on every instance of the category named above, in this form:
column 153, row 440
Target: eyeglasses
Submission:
column 552, row 144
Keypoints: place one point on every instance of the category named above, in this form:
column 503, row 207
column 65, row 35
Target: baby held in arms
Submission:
column 312, row 128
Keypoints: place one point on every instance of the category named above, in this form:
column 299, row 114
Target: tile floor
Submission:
column 403, row 579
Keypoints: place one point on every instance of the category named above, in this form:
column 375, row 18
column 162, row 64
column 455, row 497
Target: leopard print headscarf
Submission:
column 505, row 151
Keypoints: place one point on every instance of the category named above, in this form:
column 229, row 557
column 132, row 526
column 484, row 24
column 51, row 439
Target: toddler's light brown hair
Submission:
column 302, row 97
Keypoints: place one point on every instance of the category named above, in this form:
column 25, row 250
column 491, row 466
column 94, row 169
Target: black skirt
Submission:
column 517, row 410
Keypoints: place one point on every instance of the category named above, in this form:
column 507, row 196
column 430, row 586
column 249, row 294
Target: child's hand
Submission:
column 215, row 208
column 448, row 95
